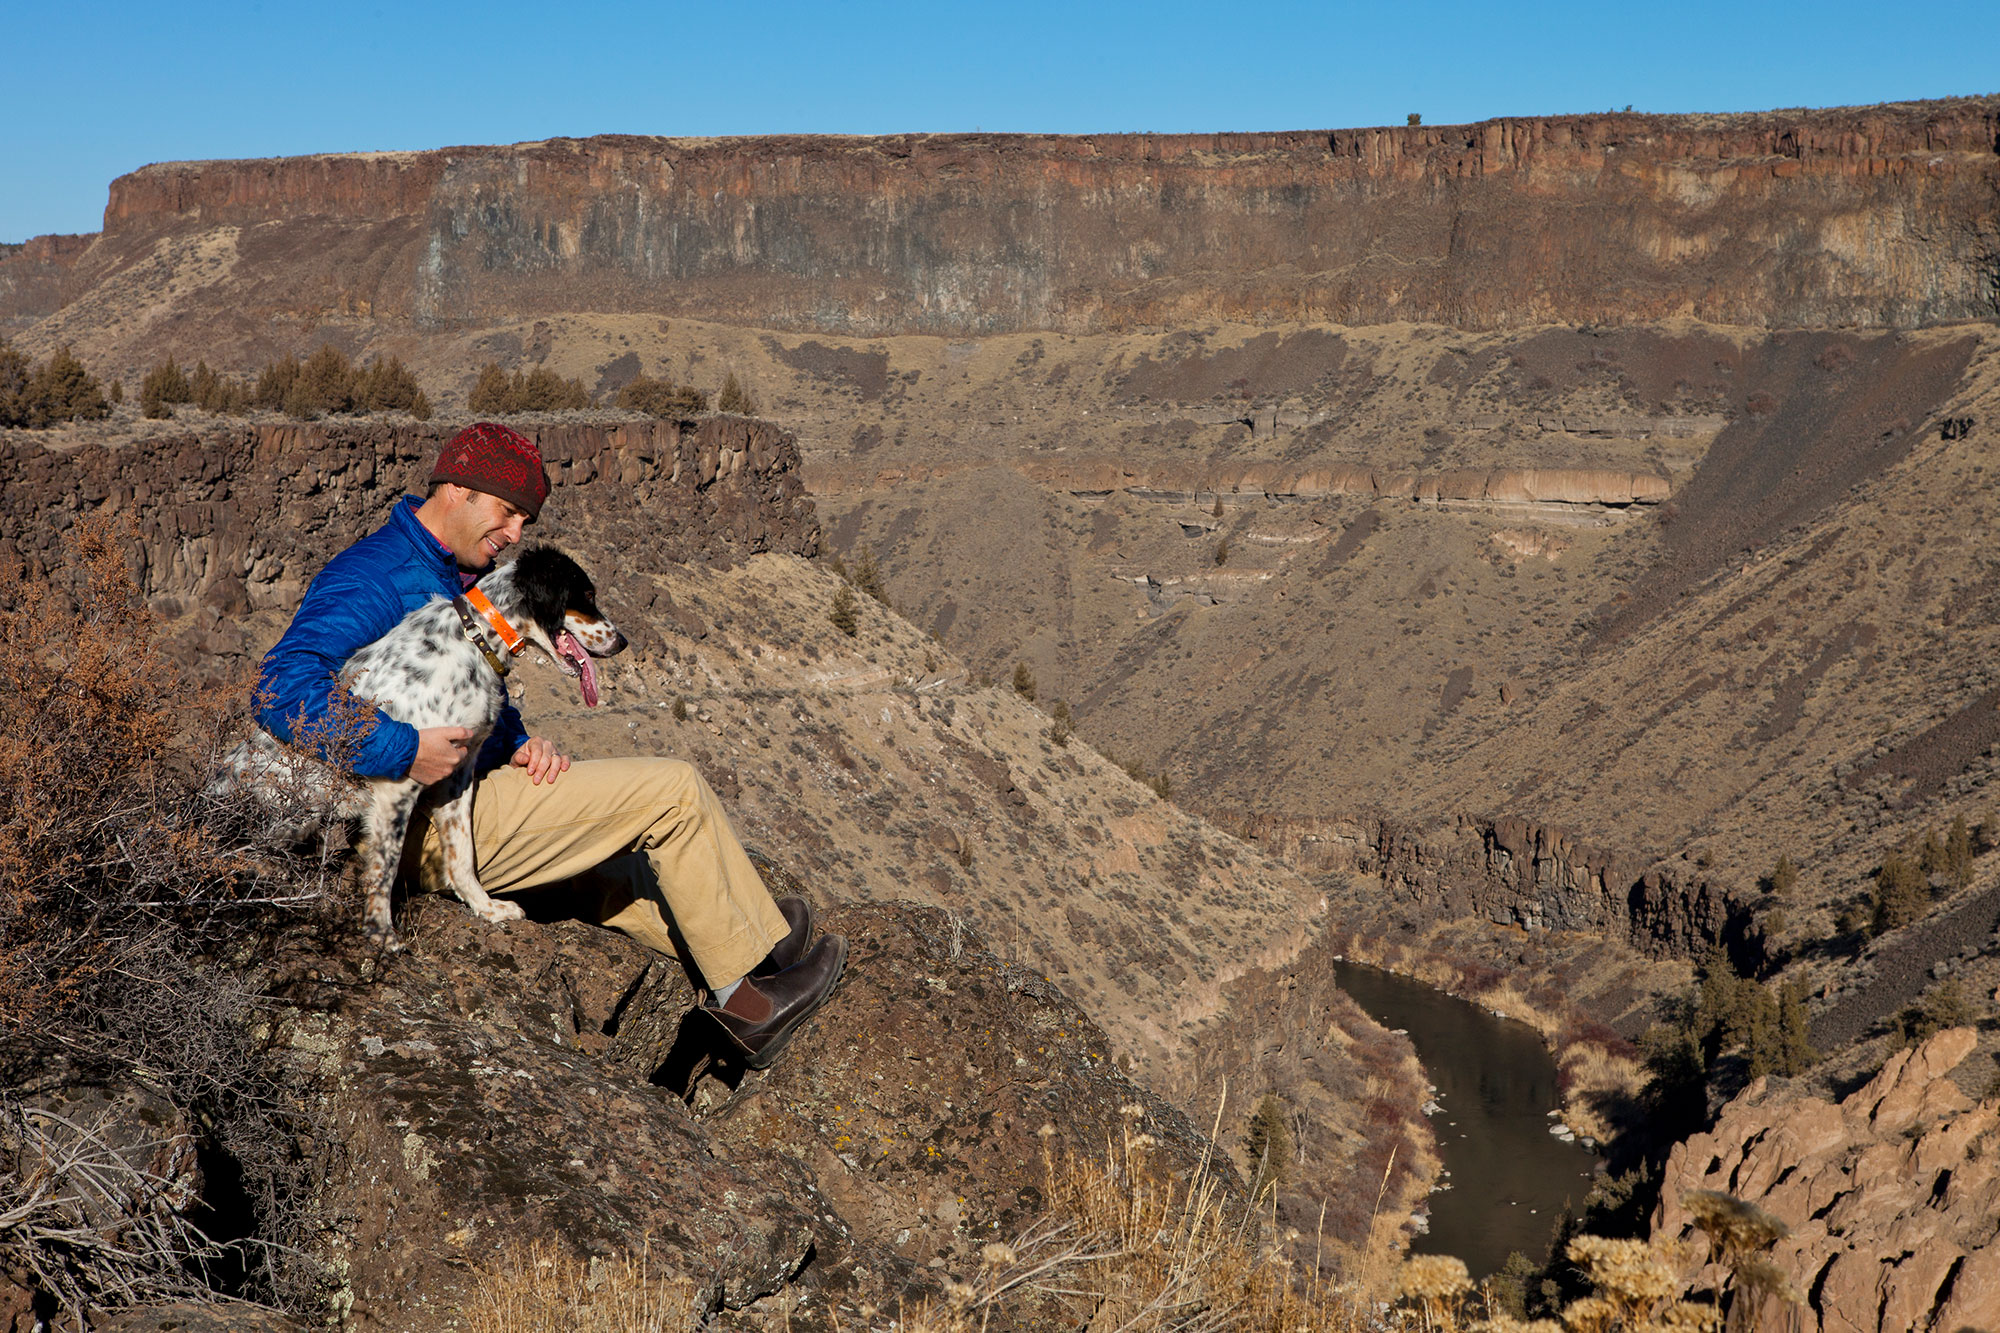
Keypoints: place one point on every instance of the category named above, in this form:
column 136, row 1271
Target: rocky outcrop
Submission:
column 32, row 277
column 1572, row 486
column 1873, row 216
column 1515, row 872
column 1890, row 1195
column 1202, row 483
column 545, row 1084
column 240, row 517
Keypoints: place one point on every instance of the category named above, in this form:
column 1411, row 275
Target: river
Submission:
column 1510, row 1178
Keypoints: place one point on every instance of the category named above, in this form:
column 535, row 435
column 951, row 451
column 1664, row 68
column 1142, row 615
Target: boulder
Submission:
column 548, row 1082
column 1888, row 1195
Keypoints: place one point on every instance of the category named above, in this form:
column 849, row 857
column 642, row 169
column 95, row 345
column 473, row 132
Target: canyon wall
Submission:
column 32, row 276
column 239, row 519
column 1514, row 872
column 1877, row 216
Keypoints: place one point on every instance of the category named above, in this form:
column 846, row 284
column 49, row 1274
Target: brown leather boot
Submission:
column 765, row 1012
column 787, row 951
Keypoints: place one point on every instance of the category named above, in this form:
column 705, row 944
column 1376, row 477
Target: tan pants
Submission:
column 649, row 848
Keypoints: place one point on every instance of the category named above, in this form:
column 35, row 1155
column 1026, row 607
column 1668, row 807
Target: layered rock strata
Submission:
column 1875, row 216
column 1202, row 483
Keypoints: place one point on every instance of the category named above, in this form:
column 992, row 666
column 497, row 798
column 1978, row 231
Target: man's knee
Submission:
column 675, row 779
column 667, row 785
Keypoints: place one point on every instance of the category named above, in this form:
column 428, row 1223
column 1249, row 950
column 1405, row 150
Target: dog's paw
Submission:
column 497, row 911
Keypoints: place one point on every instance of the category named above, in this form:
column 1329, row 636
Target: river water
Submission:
column 1510, row 1177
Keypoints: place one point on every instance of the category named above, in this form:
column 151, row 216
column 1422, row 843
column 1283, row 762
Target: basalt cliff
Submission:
column 1880, row 217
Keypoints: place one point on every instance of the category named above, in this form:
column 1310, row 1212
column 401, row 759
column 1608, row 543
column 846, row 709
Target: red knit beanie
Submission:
column 497, row 460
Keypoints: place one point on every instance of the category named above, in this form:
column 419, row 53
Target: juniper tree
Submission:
column 735, row 398
column 545, row 391
column 14, row 375
column 1932, row 860
column 274, row 383
column 1943, row 1006
column 387, row 386
column 662, row 398
column 1795, row 1049
column 1958, row 854
column 1266, row 1145
column 489, row 391
column 868, row 578
column 1901, row 894
column 326, row 381
column 62, row 390
column 165, row 386
column 845, row 613
column 213, row 393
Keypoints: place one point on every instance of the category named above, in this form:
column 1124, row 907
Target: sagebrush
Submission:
column 132, row 910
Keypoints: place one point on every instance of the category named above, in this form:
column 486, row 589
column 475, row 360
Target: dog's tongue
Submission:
column 586, row 674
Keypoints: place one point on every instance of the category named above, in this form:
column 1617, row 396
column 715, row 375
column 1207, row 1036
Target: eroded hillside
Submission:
column 871, row 766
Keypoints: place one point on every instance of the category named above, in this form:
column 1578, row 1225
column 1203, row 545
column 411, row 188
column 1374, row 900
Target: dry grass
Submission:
column 92, row 1225
column 1125, row 1247
column 536, row 1288
column 1593, row 1078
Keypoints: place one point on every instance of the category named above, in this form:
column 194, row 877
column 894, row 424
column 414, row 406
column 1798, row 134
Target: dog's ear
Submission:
column 549, row 582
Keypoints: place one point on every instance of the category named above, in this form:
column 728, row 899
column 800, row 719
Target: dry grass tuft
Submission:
column 535, row 1288
column 1126, row 1248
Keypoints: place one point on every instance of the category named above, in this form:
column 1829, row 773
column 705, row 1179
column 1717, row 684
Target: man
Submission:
column 645, row 840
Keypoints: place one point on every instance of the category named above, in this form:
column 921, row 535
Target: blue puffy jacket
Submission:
column 361, row 595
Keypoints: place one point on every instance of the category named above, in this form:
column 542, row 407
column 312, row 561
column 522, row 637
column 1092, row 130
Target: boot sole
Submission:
column 768, row 1054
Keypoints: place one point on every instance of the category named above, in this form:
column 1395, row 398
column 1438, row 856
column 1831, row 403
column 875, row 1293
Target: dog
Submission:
column 443, row 666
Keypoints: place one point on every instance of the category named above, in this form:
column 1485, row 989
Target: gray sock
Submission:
column 721, row 994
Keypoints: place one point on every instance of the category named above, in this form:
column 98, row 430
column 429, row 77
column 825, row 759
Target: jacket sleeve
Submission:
column 343, row 610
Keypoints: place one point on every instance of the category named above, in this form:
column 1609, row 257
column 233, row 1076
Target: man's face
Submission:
column 477, row 526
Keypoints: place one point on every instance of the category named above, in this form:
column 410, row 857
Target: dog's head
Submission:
column 556, row 606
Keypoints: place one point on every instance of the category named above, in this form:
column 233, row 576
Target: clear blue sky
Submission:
column 94, row 89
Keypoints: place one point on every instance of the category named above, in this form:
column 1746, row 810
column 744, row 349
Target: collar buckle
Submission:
column 470, row 628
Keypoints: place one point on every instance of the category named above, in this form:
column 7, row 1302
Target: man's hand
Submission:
column 540, row 757
column 439, row 751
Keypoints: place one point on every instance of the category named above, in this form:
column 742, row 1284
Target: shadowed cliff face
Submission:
column 1877, row 216
column 236, row 520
